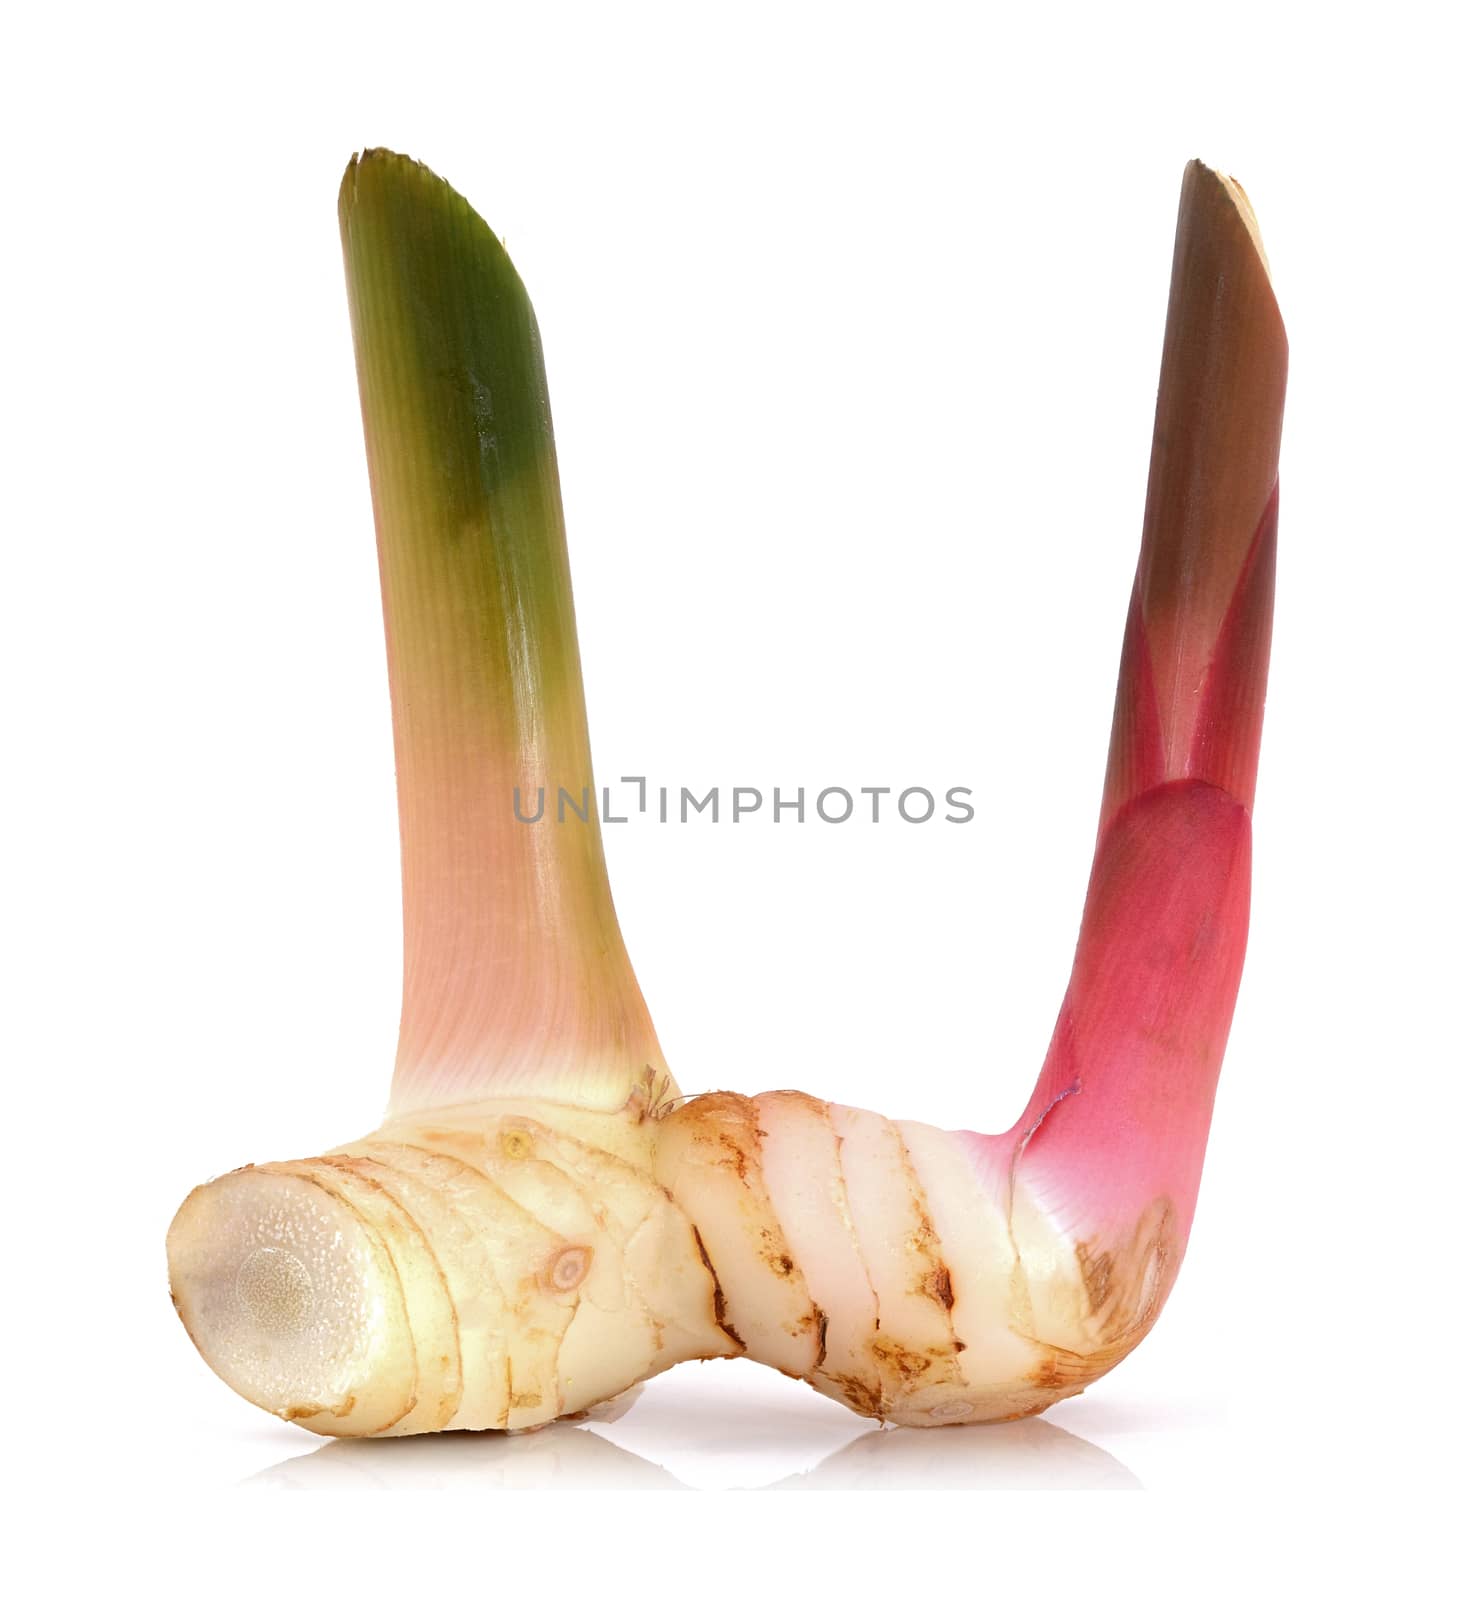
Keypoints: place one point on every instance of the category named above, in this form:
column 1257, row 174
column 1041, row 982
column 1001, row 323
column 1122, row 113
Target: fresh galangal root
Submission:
column 543, row 1221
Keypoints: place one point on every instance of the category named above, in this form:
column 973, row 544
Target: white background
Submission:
column 852, row 322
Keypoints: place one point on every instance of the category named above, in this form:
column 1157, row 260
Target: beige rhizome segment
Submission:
column 490, row 1269
column 542, row 1220
column 882, row 1263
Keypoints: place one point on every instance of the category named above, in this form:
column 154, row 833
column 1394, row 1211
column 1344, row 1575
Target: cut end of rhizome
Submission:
column 287, row 1297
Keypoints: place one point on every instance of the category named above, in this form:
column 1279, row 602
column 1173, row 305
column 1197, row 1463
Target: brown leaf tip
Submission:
column 1238, row 195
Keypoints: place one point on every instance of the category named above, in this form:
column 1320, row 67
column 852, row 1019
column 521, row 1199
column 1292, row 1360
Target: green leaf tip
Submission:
column 381, row 175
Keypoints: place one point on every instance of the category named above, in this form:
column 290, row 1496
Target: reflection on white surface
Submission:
column 1031, row 1454
column 561, row 1456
